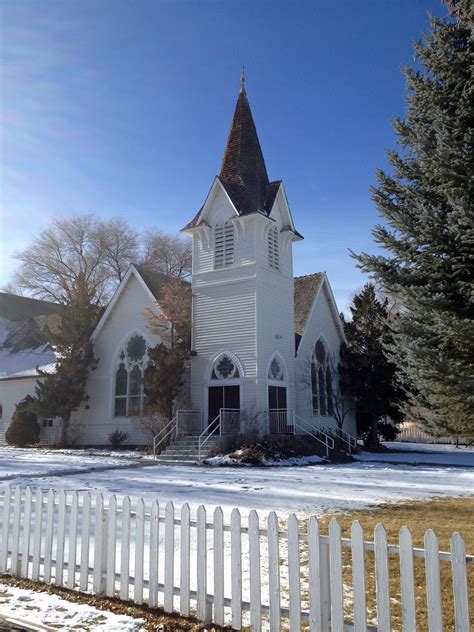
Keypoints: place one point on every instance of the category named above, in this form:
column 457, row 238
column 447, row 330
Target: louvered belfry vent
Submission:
column 273, row 251
column 224, row 245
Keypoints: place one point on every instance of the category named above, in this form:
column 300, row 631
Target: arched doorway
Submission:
column 224, row 393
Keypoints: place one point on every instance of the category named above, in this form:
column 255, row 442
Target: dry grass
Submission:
column 444, row 515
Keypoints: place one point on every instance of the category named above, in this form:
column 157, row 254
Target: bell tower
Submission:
column 243, row 330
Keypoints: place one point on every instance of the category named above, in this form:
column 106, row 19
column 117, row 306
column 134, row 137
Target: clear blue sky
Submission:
column 123, row 108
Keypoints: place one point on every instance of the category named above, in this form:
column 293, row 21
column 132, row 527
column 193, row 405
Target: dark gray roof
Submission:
column 243, row 173
column 154, row 280
column 13, row 307
column 24, row 320
column 305, row 291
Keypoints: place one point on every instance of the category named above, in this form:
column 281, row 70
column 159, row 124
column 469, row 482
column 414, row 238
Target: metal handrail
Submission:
column 346, row 437
column 328, row 441
column 163, row 435
column 207, row 435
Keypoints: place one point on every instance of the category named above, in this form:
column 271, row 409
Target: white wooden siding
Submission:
column 95, row 424
column 321, row 323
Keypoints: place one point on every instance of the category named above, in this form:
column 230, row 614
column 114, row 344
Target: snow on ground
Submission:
column 304, row 490
column 51, row 610
column 32, row 462
column 423, row 453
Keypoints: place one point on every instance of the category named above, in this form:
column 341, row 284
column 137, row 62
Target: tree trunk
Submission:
column 64, row 439
column 373, row 436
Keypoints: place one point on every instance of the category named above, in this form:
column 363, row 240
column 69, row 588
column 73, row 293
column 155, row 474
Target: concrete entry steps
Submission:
column 185, row 451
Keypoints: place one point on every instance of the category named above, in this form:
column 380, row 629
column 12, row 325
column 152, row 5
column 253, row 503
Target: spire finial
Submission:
column 242, row 79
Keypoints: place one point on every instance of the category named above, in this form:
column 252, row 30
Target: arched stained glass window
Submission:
column 225, row 369
column 275, row 372
column 321, row 380
column 129, row 394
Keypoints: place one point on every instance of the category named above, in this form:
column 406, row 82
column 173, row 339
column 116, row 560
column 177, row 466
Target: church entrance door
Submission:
column 277, row 410
column 222, row 397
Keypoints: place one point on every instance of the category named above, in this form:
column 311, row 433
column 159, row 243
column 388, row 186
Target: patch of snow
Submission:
column 295, row 460
column 53, row 611
column 24, row 362
column 426, row 454
column 405, row 446
column 34, row 461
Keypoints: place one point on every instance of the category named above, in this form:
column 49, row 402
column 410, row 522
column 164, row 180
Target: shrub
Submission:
column 24, row 428
column 117, row 438
column 250, row 449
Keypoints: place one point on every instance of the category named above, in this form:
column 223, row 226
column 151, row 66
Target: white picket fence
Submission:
column 414, row 434
column 269, row 573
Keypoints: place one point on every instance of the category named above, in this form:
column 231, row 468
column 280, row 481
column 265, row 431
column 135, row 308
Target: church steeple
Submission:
column 243, row 172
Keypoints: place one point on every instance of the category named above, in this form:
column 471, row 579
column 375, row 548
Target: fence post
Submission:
column 5, row 529
column 15, row 561
column 100, row 545
column 433, row 588
column 294, row 572
column 407, row 579
column 274, row 572
column 154, row 554
column 358, row 577
column 218, row 566
column 382, row 579
column 48, row 544
column 335, row 567
column 461, row 600
column 185, row 560
column 236, row 568
column 72, row 555
column 38, row 534
column 255, row 577
column 111, row 546
column 125, row 549
column 85, row 541
column 169, row 557
column 60, row 538
column 139, row 551
column 26, row 534
column 203, row 613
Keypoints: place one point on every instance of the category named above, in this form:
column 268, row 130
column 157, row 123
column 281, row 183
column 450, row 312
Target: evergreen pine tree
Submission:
column 366, row 372
column 427, row 204
column 60, row 393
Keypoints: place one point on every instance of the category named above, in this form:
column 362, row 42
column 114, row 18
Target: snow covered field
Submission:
column 422, row 453
column 305, row 490
column 314, row 489
column 34, row 462
column 54, row 612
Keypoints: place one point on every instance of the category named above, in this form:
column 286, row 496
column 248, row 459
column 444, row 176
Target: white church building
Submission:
column 265, row 344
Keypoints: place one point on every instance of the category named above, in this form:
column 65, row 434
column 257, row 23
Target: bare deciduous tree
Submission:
column 74, row 251
column 169, row 254
column 119, row 244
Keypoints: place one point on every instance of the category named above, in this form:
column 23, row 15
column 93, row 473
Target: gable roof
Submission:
column 306, row 288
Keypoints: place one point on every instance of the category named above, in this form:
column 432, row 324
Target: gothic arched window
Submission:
column 273, row 250
column 129, row 371
column 223, row 245
column 321, row 380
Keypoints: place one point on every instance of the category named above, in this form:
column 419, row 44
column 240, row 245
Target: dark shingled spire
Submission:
column 243, row 172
